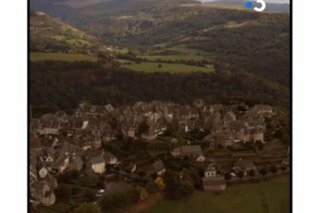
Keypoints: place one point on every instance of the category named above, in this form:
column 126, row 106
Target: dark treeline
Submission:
column 63, row 85
column 262, row 47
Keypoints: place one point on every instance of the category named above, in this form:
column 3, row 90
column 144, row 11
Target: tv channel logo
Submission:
column 260, row 6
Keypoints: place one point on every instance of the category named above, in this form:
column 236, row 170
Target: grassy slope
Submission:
column 173, row 57
column 272, row 196
column 166, row 67
column 38, row 56
column 252, row 42
column 45, row 31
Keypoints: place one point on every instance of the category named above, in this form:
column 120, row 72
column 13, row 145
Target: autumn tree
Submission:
column 160, row 183
column 143, row 194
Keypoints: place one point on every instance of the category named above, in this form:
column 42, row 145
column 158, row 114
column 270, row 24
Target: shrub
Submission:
column 88, row 208
column 119, row 200
column 152, row 187
column 160, row 183
column 143, row 194
column 63, row 192
column 186, row 188
column 274, row 169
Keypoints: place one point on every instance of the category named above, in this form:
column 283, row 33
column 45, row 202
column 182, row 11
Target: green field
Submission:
column 173, row 57
column 166, row 67
column 265, row 197
column 38, row 56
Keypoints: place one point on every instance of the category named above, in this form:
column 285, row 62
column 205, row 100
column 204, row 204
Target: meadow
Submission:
column 151, row 67
column 173, row 57
column 271, row 196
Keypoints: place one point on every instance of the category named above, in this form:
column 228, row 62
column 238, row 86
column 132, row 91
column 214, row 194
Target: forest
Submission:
column 63, row 85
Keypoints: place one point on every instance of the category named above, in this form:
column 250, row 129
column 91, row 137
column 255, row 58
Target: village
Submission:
column 115, row 149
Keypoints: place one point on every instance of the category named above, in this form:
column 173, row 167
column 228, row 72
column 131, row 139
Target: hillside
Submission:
column 254, row 42
column 50, row 34
column 247, row 51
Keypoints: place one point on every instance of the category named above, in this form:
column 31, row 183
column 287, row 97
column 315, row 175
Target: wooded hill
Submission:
column 253, row 42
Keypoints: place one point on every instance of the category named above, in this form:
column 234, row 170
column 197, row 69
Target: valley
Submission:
column 157, row 106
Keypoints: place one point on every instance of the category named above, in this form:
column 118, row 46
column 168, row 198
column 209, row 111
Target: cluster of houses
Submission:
column 61, row 142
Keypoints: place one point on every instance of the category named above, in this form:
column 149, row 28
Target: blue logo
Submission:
column 249, row 4
column 260, row 3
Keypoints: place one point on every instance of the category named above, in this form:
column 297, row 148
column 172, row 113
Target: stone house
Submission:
column 76, row 163
column 61, row 164
column 200, row 158
column 130, row 133
column 257, row 136
column 159, row 167
column 97, row 164
column 41, row 192
column 149, row 135
column 110, row 159
column 214, row 183
column 244, row 166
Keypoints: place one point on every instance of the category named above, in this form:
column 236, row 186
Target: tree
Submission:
column 115, row 201
column 172, row 182
column 240, row 174
column 151, row 187
column 90, row 195
column 201, row 172
column 186, row 188
column 143, row 194
column 143, row 127
column 63, row 192
column 160, row 183
column 172, row 127
column 227, row 176
column 274, row 169
column 154, row 175
column 263, row 171
column 88, row 208
column 100, row 182
column 252, row 173
column 141, row 174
